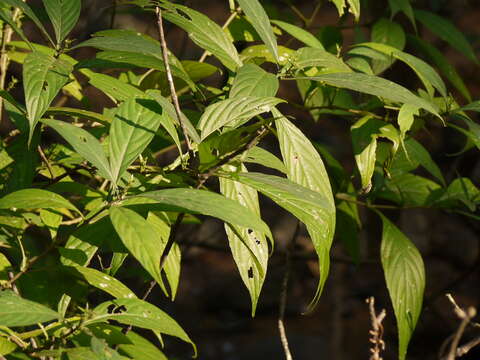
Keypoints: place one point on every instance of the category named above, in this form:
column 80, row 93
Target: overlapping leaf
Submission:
column 252, row 80
column 64, row 15
column 308, row 56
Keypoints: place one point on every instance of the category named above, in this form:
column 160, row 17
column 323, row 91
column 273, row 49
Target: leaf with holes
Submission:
column 405, row 278
column 249, row 247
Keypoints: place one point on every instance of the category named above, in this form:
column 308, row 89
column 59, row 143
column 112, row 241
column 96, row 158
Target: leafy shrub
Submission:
column 76, row 183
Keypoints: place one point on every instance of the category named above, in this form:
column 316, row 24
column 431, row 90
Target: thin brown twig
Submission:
column 284, row 292
column 45, row 160
column 171, row 84
column 377, row 330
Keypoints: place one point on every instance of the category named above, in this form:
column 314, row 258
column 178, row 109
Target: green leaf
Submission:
column 460, row 190
column 364, row 140
column 409, row 190
column 340, row 4
column 406, row 117
column 205, row 33
column 473, row 106
column 249, row 248
column 473, row 132
column 405, row 7
column 234, row 112
column 261, row 156
column 387, row 32
column 52, row 220
column 308, row 56
column 172, row 265
column 139, row 313
column 6, row 17
column 376, row 86
column 405, row 278
column 27, row 10
column 446, row 31
column 140, row 238
column 64, row 15
column 416, row 151
column 114, row 88
column 305, row 167
column 6, row 346
column 79, row 113
column 206, row 203
column 259, row 19
column 436, row 57
column 83, row 143
column 354, row 8
column 252, row 80
column 43, row 77
column 101, row 281
column 425, row 72
column 134, row 126
column 15, row 311
column 300, row 34
column 35, row 199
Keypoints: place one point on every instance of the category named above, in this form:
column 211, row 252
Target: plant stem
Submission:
column 171, row 84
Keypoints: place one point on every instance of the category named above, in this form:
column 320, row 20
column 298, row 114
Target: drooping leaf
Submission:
column 234, row 112
column 84, row 143
column 261, row 156
column 409, row 190
column 140, row 238
column 417, row 152
column 461, row 190
column 134, row 126
column 405, row 278
column 376, row 86
column 305, row 167
column 436, row 57
column 424, row 71
column 206, row 203
column 249, row 248
column 300, row 34
column 406, row 117
column 340, row 4
column 139, row 313
column 446, row 31
column 354, row 8
column 35, row 199
column 173, row 262
column 101, row 281
column 259, row 19
column 387, row 32
column 43, row 77
column 252, row 80
column 16, row 311
column 204, row 32
column 64, row 15
column 52, row 220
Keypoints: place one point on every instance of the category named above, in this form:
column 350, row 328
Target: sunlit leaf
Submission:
column 16, row 311
column 35, row 199
column 64, row 15
column 300, row 34
column 252, row 80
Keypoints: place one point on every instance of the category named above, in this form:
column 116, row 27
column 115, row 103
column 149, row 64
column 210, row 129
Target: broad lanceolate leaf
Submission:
column 441, row 62
column 234, row 112
column 425, row 72
column 139, row 313
column 258, row 18
column 308, row 56
column 64, row 15
column 300, row 34
column 445, row 30
column 409, row 190
column 35, row 198
column 405, row 277
column 306, row 168
column 314, row 209
column 249, row 248
column 116, row 89
column 15, row 311
column 43, row 77
column 134, row 126
column 140, row 238
column 204, row 32
column 206, row 203
column 376, row 86
column 101, row 281
column 252, row 80
column 84, row 143
column 387, row 32
column 406, row 117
